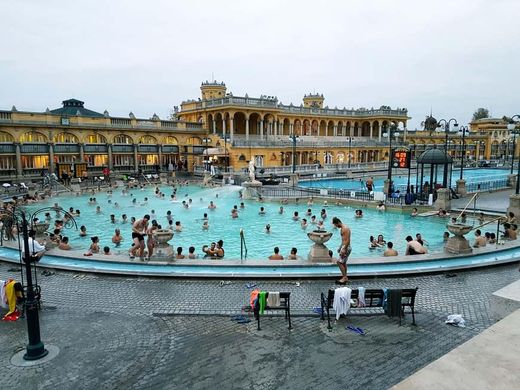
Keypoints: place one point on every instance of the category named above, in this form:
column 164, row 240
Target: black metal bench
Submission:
column 373, row 298
column 285, row 304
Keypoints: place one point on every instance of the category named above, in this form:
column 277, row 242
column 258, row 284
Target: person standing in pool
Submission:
column 139, row 229
column 344, row 249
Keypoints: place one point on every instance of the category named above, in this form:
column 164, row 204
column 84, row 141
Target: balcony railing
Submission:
column 120, row 123
column 312, row 142
column 273, row 103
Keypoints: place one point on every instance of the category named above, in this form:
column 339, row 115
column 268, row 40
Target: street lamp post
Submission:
column 349, row 151
column 463, row 130
column 511, row 126
column 446, row 124
column 390, row 131
column 35, row 349
column 294, row 138
column 513, row 122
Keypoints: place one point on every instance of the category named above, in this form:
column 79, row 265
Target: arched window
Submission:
column 6, row 137
column 65, row 138
column 95, row 139
column 170, row 140
column 123, row 139
column 148, row 139
column 194, row 141
column 33, row 136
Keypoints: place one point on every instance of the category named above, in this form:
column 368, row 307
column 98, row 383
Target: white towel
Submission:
column 273, row 299
column 361, row 297
column 341, row 301
column 3, row 298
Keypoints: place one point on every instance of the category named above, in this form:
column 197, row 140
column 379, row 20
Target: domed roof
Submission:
column 434, row 156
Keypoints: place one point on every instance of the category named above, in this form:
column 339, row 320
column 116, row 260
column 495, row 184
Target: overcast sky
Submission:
column 147, row 56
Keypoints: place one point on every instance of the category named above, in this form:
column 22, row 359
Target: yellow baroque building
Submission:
column 270, row 133
column 227, row 129
column 32, row 143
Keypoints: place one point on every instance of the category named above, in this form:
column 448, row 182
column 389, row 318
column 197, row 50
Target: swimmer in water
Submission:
column 178, row 226
column 117, row 237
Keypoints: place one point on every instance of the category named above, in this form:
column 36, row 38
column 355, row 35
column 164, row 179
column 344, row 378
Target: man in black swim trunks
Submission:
column 139, row 229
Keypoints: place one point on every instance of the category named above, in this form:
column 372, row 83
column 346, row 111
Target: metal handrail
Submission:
column 243, row 246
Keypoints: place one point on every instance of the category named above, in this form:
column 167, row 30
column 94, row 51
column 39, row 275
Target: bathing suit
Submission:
column 343, row 257
column 139, row 236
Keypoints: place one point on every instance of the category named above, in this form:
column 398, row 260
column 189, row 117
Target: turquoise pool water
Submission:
column 470, row 175
column 285, row 233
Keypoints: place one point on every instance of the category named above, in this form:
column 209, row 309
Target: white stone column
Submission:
column 261, row 129
column 214, row 126
column 352, row 130
column 380, row 132
column 224, row 127
column 19, row 168
column 370, row 128
column 231, row 129
column 291, row 129
column 247, row 129
column 136, row 161
column 335, row 131
column 51, row 158
column 110, row 157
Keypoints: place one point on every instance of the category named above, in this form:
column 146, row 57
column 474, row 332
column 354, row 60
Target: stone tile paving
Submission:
column 108, row 337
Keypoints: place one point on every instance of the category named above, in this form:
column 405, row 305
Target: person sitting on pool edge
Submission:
column 276, row 255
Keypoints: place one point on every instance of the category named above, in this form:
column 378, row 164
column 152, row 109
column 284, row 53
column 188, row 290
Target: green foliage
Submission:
column 480, row 114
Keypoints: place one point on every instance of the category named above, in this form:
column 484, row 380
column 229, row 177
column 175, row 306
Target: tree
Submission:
column 480, row 114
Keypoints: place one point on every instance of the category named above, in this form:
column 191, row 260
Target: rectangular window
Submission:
column 148, row 159
column 35, row 161
column 7, row 162
column 123, row 160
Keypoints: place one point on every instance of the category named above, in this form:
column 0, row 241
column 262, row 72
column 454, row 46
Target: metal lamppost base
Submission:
column 35, row 352
column 18, row 359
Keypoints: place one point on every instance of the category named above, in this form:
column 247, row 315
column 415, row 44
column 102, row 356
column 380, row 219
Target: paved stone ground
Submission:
column 497, row 201
column 119, row 332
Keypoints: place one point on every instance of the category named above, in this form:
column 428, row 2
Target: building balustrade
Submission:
column 282, row 142
column 119, row 123
column 66, row 148
column 273, row 103
column 34, row 148
column 96, row 148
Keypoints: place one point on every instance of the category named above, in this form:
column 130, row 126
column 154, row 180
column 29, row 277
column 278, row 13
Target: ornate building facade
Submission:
column 228, row 129
column 269, row 132
column 34, row 142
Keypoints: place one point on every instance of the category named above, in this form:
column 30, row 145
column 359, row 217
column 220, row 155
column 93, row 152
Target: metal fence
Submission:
column 490, row 185
column 299, row 192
